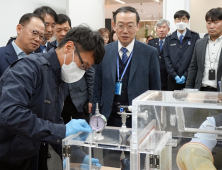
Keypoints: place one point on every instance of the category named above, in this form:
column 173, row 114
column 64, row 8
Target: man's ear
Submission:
column 68, row 47
column 114, row 26
column 18, row 29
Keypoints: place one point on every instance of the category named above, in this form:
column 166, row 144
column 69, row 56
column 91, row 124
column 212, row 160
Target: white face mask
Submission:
column 71, row 73
column 181, row 25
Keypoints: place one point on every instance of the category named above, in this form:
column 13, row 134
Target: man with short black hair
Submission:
column 128, row 69
column 162, row 29
column 206, row 66
column 50, row 18
column 32, row 92
column 30, row 34
column 178, row 50
column 63, row 25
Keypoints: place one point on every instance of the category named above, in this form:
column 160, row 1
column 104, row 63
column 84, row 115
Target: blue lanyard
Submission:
column 125, row 67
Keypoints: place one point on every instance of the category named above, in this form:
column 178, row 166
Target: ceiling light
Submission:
column 120, row 1
column 157, row 1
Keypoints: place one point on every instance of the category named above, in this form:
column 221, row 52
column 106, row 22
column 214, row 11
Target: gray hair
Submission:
column 161, row 22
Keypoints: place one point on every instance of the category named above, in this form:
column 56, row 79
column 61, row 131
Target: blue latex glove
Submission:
column 85, row 163
column 182, row 79
column 178, row 80
column 64, row 163
column 77, row 125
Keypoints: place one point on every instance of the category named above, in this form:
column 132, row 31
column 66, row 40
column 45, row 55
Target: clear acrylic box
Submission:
column 162, row 122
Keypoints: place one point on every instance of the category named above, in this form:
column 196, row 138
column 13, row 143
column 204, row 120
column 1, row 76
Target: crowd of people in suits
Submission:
column 79, row 71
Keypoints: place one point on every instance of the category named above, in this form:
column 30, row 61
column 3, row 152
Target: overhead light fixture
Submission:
column 120, row 1
column 157, row 0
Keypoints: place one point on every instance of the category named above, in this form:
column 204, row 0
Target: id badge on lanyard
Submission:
column 118, row 85
column 118, row 88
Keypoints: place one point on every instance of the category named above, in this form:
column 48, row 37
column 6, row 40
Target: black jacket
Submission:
column 178, row 57
column 163, row 71
column 31, row 101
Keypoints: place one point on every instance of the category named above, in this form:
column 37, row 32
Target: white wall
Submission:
column 12, row 10
column 90, row 12
column 170, row 7
column 199, row 8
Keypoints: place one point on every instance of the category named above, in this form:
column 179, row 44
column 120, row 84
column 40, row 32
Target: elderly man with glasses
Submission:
column 30, row 34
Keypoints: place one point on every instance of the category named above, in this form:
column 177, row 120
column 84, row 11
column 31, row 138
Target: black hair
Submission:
column 214, row 14
column 46, row 10
column 26, row 18
column 62, row 18
column 181, row 13
column 149, row 37
column 86, row 40
column 111, row 36
column 126, row 9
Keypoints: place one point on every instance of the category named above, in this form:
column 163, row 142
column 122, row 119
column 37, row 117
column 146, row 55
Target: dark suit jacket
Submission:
column 7, row 57
column 163, row 71
column 196, row 69
column 49, row 46
column 144, row 75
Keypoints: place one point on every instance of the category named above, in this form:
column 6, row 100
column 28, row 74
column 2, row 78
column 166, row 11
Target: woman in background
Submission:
column 149, row 37
column 105, row 34
column 113, row 36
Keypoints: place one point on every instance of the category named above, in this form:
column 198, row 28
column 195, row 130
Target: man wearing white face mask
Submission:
column 32, row 92
column 178, row 50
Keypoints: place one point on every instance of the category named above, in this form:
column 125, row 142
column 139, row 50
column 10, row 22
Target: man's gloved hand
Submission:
column 178, row 80
column 77, row 125
column 85, row 163
column 182, row 79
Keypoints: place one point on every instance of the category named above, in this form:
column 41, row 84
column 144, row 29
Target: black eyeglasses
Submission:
column 82, row 67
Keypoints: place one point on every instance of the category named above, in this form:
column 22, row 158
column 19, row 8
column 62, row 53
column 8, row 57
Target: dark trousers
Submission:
column 164, row 88
column 70, row 112
column 24, row 165
column 172, row 85
column 208, row 89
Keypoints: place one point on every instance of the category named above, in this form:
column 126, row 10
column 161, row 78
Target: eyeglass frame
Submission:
column 125, row 26
column 44, row 38
column 82, row 67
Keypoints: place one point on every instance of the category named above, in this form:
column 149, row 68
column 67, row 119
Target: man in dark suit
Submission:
column 128, row 69
column 78, row 104
column 178, row 50
column 50, row 18
column 162, row 29
column 206, row 66
column 30, row 34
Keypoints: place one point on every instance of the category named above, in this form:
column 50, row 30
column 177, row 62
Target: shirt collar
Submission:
column 184, row 33
column 17, row 49
column 217, row 40
column 162, row 40
column 45, row 44
column 57, row 43
column 129, row 47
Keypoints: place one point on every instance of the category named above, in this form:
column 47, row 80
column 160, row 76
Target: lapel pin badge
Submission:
column 189, row 42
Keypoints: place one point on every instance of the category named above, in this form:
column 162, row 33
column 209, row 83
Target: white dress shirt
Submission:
column 129, row 48
column 45, row 49
column 212, row 62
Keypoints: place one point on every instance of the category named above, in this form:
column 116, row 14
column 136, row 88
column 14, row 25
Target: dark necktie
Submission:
column 42, row 47
column 124, row 56
column 181, row 39
column 161, row 45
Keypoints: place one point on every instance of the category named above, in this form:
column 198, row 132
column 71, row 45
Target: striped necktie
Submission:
column 124, row 56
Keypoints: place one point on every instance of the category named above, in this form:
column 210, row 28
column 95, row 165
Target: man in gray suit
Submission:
column 206, row 65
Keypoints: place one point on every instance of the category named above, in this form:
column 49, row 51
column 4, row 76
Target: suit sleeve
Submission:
column 154, row 76
column 16, row 89
column 186, row 72
column 90, row 73
column 192, row 71
column 97, row 92
column 169, row 65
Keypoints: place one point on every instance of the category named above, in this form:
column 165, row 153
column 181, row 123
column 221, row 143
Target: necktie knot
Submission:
column 42, row 47
column 124, row 50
